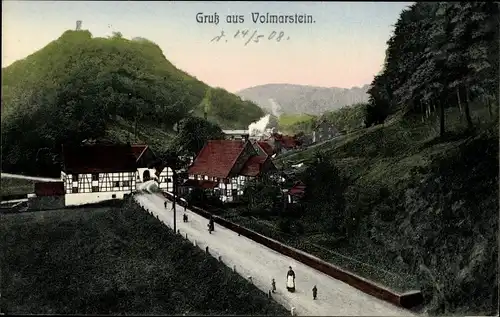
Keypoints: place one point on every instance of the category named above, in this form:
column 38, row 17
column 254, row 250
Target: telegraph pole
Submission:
column 175, row 198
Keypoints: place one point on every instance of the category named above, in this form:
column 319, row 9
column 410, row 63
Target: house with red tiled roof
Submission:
column 95, row 173
column 226, row 165
column 283, row 143
column 296, row 192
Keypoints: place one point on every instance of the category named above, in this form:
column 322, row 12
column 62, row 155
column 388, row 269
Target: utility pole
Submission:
column 175, row 198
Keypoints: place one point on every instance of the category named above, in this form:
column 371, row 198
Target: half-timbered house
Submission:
column 165, row 178
column 95, row 173
column 226, row 165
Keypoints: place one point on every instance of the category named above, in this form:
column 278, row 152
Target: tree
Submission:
column 193, row 133
column 324, row 194
column 79, row 87
column 263, row 195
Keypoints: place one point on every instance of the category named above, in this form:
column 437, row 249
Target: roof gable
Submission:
column 253, row 166
column 217, row 158
column 298, row 189
column 99, row 158
column 139, row 150
column 265, row 147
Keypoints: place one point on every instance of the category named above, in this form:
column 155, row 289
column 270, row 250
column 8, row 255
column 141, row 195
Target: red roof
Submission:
column 253, row 166
column 286, row 141
column 217, row 158
column 298, row 189
column 98, row 158
column 266, row 147
column 139, row 150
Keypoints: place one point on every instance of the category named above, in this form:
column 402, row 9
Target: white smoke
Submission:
column 264, row 126
column 275, row 107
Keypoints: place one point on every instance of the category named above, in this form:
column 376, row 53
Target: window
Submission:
column 95, row 189
column 75, row 177
column 95, row 177
column 169, row 180
column 113, row 196
column 234, row 192
column 228, row 192
column 117, row 184
column 74, row 190
column 126, row 183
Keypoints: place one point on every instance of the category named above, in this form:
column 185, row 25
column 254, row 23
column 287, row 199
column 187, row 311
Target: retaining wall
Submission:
column 405, row 300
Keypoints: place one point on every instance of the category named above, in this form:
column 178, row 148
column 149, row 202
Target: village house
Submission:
column 225, row 166
column 95, row 173
column 282, row 143
column 324, row 131
column 236, row 134
column 296, row 192
column 165, row 178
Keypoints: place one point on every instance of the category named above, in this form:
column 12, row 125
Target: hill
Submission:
column 79, row 87
column 115, row 260
column 289, row 99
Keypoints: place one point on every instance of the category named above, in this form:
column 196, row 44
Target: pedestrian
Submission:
column 273, row 285
column 315, row 292
column 165, row 204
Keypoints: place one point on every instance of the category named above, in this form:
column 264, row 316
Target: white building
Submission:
column 166, row 180
column 96, row 173
column 144, row 158
column 236, row 134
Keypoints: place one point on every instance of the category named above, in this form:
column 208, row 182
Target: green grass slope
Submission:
column 115, row 261
column 292, row 123
column 16, row 187
column 423, row 207
column 79, row 87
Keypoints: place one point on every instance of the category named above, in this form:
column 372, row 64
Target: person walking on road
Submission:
column 165, row 204
column 273, row 286
column 290, row 277
column 315, row 292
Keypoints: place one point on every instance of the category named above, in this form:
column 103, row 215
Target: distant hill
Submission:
column 281, row 99
column 80, row 87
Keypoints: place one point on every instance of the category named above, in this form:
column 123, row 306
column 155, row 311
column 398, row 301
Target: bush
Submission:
column 284, row 225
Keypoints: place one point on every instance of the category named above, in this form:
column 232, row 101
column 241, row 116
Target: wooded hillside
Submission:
column 441, row 55
column 78, row 87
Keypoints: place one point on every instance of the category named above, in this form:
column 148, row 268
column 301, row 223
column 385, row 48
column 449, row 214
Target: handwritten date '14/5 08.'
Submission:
column 251, row 36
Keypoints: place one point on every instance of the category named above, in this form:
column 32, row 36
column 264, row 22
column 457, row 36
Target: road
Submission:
column 262, row 264
column 33, row 178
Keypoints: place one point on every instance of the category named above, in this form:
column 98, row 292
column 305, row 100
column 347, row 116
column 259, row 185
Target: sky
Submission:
column 344, row 47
